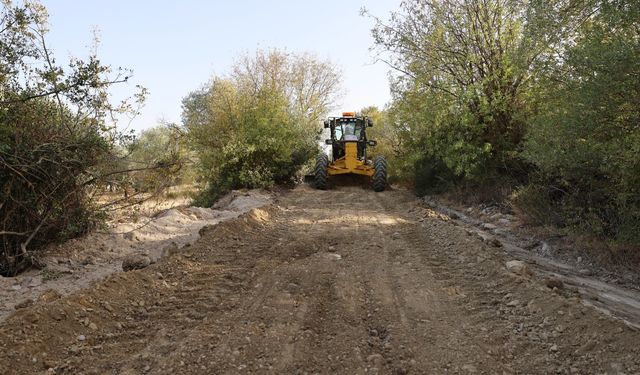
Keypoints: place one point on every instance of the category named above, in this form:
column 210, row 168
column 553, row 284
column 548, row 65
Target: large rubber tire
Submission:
column 320, row 172
column 380, row 174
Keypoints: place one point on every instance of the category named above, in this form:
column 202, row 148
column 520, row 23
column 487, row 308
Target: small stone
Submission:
column 135, row 262
column 376, row 360
column 93, row 326
column 513, row 303
column 82, row 337
column 49, row 296
column 585, row 272
column 47, row 364
column 553, row 348
column 171, row 249
column 554, row 283
column 334, row 256
column 26, row 303
column 108, row 307
column 75, row 349
column 488, row 226
column 203, row 230
column 518, row 267
column 495, row 242
column 88, row 260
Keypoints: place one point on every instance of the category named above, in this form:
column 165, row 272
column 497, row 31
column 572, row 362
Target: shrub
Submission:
column 58, row 145
column 259, row 126
column 586, row 139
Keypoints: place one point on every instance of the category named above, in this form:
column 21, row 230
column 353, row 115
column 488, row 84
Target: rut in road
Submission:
column 340, row 281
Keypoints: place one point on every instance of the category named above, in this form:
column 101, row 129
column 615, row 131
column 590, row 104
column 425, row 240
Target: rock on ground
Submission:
column 518, row 267
column 135, row 262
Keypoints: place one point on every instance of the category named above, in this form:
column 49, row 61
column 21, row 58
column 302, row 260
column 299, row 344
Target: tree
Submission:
column 585, row 141
column 465, row 76
column 390, row 141
column 58, row 139
column 260, row 124
column 162, row 145
column 310, row 85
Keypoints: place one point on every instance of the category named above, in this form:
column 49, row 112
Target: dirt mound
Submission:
column 242, row 201
column 78, row 263
column 325, row 282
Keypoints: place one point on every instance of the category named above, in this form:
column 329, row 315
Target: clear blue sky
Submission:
column 176, row 46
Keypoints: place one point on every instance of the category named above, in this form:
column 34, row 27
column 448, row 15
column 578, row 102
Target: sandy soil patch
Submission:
column 78, row 263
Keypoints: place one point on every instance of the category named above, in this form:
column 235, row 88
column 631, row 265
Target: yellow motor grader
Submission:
column 349, row 152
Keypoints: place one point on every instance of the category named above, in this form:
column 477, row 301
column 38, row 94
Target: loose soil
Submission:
column 341, row 281
column 160, row 228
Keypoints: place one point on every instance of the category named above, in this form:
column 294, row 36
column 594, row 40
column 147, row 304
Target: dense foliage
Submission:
column 259, row 125
column 585, row 137
column 58, row 143
column 541, row 95
column 158, row 158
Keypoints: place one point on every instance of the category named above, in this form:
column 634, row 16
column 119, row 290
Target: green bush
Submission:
column 540, row 94
column 261, row 148
column 260, row 126
column 58, row 144
column 158, row 159
column 586, row 139
column 43, row 170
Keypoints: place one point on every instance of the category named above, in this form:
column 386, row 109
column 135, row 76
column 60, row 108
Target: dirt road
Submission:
column 341, row 281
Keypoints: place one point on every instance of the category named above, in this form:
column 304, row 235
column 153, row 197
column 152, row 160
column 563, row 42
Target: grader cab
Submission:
column 348, row 154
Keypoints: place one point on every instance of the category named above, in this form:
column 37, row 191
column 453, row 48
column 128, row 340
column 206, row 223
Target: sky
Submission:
column 175, row 47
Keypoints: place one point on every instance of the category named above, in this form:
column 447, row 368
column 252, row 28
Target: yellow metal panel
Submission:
column 351, row 155
column 349, row 163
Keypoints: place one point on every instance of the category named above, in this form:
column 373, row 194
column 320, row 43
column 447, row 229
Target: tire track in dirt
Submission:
column 340, row 281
